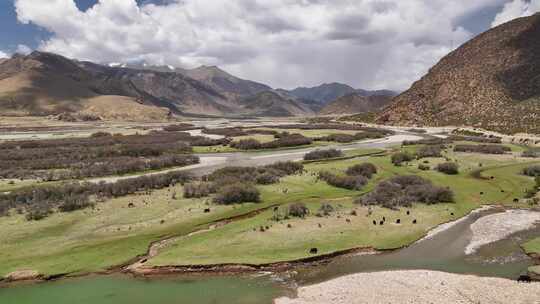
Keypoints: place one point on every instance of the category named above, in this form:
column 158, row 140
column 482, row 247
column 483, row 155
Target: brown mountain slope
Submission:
column 492, row 81
column 272, row 104
column 45, row 83
column 355, row 103
column 224, row 82
column 175, row 91
column 42, row 84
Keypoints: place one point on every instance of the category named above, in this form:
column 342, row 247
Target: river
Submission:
column 444, row 251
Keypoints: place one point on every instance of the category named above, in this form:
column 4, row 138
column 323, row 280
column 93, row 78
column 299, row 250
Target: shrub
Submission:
column 430, row 141
column 288, row 140
column 326, row 209
column 298, row 210
column 424, row 167
column 405, row 190
column 413, row 130
column 429, row 151
column 39, row 201
column 288, row 167
column 338, row 137
column 237, row 193
column 179, row 127
column 227, row 132
column 448, row 168
column 197, row 189
column 37, row 213
column 261, row 175
column 530, row 154
column 202, row 141
column 323, row 154
column 400, row 157
column 345, row 182
column 533, row 170
column 100, row 134
column 283, row 140
column 365, row 169
column 467, row 133
column 75, row 202
column 478, row 139
column 267, row 178
column 246, row 144
column 486, row 149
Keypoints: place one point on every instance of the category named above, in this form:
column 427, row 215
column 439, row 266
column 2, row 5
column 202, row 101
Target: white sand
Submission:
column 492, row 228
column 416, row 286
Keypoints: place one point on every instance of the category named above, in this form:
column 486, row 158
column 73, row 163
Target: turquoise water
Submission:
column 120, row 289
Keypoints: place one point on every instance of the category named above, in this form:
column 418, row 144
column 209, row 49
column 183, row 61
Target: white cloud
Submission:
column 368, row 44
column 3, row 55
column 516, row 9
column 23, row 49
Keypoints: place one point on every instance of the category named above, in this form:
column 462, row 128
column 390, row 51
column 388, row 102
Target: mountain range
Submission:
column 44, row 83
column 492, row 81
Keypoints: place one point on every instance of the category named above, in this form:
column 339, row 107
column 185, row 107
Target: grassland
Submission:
column 532, row 246
column 112, row 234
column 243, row 242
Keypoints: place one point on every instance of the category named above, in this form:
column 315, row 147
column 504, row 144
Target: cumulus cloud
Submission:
column 23, row 49
column 285, row 43
column 3, row 55
column 516, row 9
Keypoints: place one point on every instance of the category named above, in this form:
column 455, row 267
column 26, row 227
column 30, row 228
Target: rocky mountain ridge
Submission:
column 492, row 81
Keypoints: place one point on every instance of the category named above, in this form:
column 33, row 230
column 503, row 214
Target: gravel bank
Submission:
column 416, row 286
column 492, row 228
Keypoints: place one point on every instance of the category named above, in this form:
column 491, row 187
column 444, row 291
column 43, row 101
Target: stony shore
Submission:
column 494, row 227
column 416, row 286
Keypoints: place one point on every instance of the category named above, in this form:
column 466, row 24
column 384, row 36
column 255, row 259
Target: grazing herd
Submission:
column 398, row 221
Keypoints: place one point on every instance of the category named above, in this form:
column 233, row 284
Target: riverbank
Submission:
column 498, row 226
column 416, row 286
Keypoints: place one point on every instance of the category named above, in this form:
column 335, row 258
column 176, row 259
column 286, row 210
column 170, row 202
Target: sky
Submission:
column 370, row 44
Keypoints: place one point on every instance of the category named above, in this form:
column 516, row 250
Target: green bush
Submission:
column 326, row 209
column 237, row 193
column 424, row 167
column 197, row 189
column 448, row 168
column 345, row 182
column 429, row 151
column 533, row 170
column 401, row 157
column 402, row 191
column 323, row 154
column 298, row 210
column 365, row 169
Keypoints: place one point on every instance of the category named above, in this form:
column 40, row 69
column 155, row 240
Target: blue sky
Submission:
column 370, row 44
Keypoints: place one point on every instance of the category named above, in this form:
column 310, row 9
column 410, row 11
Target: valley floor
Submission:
column 121, row 229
